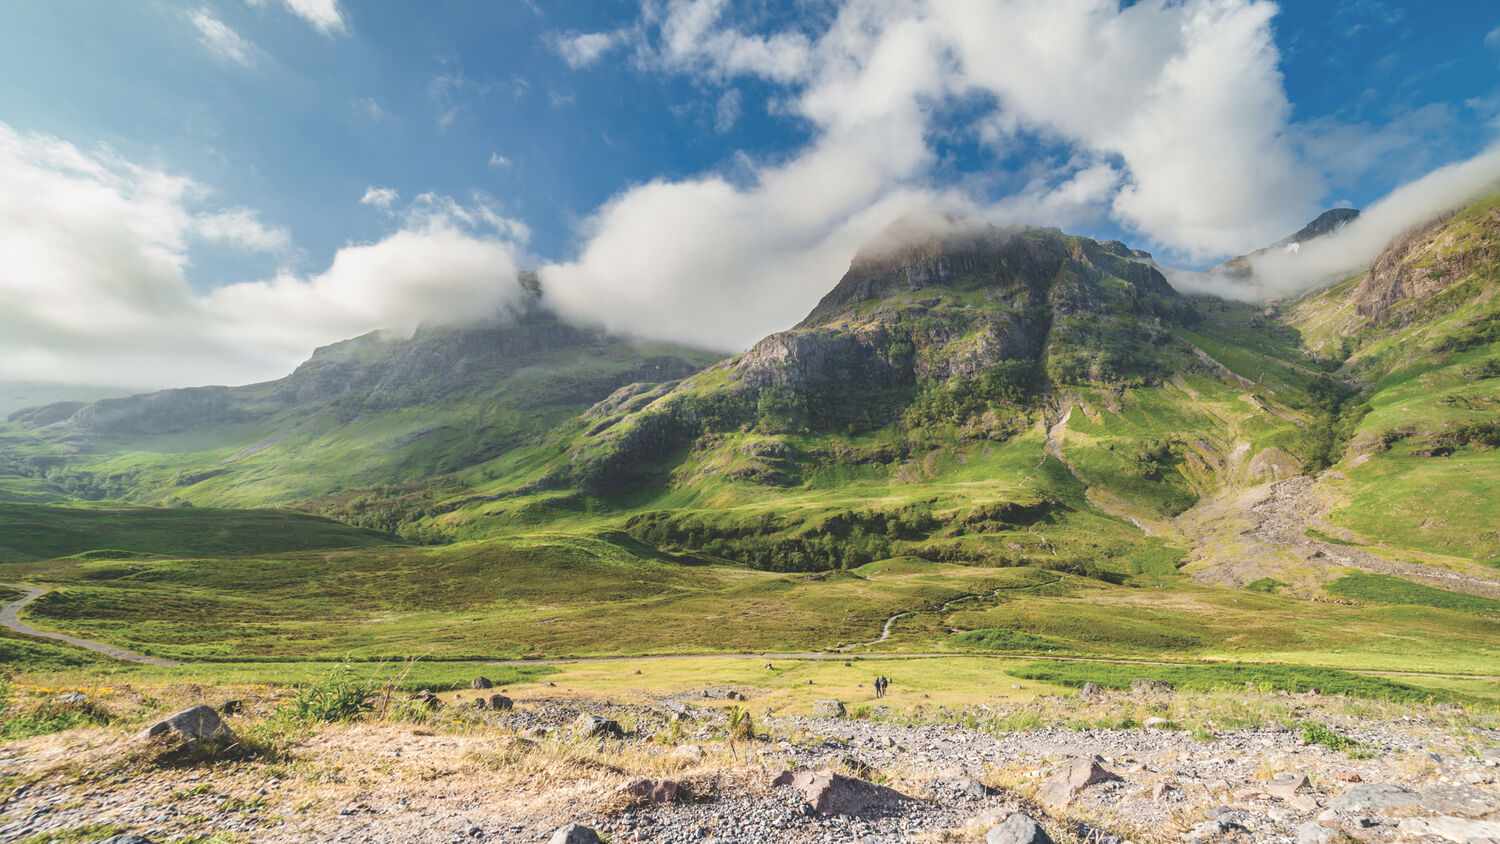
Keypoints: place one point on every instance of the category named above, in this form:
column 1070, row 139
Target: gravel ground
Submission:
column 1414, row 780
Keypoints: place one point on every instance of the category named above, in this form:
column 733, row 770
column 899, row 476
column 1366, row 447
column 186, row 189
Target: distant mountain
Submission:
column 1239, row 269
column 367, row 412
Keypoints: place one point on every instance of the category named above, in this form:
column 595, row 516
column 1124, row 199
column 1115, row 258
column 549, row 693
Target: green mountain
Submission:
column 366, row 429
column 982, row 439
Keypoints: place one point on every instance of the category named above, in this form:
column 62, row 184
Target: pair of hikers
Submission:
column 881, row 684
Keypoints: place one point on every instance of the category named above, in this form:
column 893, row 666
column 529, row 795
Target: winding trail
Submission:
column 10, row 616
column 885, row 631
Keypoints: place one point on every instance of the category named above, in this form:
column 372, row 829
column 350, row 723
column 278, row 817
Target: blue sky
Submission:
column 688, row 168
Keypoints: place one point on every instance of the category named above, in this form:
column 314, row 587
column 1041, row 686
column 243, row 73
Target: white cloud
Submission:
column 323, row 15
column 242, row 228
column 93, row 283
column 583, row 49
column 219, row 39
column 1354, row 246
column 381, row 198
column 370, row 107
column 1493, row 38
column 727, row 111
column 1172, row 113
column 498, row 161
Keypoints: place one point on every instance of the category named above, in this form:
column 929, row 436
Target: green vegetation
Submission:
column 29, row 532
column 1204, row 678
column 1385, row 589
column 48, row 715
column 337, row 694
column 1005, row 641
column 1268, row 585
column 1315, row 733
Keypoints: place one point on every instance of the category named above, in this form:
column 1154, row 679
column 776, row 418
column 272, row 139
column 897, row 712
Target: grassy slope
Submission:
column 33, row 532
column 1422, row 387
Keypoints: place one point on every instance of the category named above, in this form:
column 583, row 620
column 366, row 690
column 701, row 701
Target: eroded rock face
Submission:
column 190, row 726
column 829, row 793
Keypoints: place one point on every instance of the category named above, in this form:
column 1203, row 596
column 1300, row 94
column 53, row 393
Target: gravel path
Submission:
column 10, row 617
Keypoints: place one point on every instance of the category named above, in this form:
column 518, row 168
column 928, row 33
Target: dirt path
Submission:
column 10, row 617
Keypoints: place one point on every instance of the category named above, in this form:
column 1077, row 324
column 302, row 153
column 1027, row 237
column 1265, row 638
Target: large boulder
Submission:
column 481, row 683
column 191, row 727
column 1018, row 829
column 829, row 793
column 501, row 702
column 828, row 708
column 1078, row 774
column 1090, row 690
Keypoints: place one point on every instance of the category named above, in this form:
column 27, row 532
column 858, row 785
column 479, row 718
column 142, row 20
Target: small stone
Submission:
column 1313, row 832
column 232, row 707
column 652, row 791
column 480, row 683
column 73, row 699
column 125, row 838
column 1162, row 790
column 1287, row 785
column 574, row 834
column 1155, row 723
column 1304, row 803
column 690, row 752
column 1090, row 690
column 1018, row 829
column 589, row 726
column 1344, row 775
column 1141, row 685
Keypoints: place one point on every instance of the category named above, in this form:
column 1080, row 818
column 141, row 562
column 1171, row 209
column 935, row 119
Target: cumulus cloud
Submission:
column 216, row 37
column 498, row 161
column 1493, row 38
column 381, row 198
column 583, row 49
column 1174, row 111
column 93, row 288
column 323, row 15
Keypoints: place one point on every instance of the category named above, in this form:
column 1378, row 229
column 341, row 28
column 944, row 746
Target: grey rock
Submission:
column 1141, row 685
column 1313, row 832
column 501, row 702
column 1155, row 723
column 574, row 834
column 1373, row 797
column 1461, row 830
column 125, row 838
column 190, row 726
column 481, row 683
column 1078, row 774
column 1287, row 785
column 652, row 791
column 589, row 726
column 1460, row 800
column 1090, row 690
column 828, row 708
column 73, row 698
column 1018, row 829
column 829, row 793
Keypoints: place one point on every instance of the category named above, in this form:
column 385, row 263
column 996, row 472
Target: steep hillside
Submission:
column 1419, row 331
column 396, row 415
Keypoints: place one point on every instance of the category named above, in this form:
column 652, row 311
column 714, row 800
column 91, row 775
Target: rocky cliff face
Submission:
column 1428, row 260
